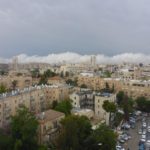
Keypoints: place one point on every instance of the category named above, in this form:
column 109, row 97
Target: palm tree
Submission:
column 109, row 107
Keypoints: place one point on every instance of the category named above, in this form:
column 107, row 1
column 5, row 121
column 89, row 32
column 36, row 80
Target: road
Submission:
column 132, row 143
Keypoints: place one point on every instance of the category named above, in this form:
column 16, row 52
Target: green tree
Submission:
column 83, row 86
column 118, row 118
column 71, row 82
column 14, row 84
column 2, row 88
column 43, row 80
column 120, row 96
column 48, row 73
column 105, row 137
column 24, row 130
column 75, row 130
column 35, row 73
column 64, row 106
column 126, row 107
column 126, row 104
column 109, row 107
column 143, row 104
column 54, row 104
column 6, row 141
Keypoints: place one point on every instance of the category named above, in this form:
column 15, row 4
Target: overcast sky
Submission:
column 42, row 27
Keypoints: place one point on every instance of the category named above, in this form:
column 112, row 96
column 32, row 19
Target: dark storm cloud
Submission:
column 84, row 26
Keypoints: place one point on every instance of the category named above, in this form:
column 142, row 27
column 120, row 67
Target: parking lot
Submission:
column 138, row 134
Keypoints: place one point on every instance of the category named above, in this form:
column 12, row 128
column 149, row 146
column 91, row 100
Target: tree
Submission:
column 54, row 104
column 24, row 127
column 107, row 74
column 118, row 118
column 109, row 107
column 64, row 106
column 35, row 73
column 75, row 130
column 43, row 80
column 143, row 104
column 6, row 141
column 113, row 88
column 126, row 103
column 48, row 73
column 14, row 84
column 105, row 137
column 2, row 88
column 120, row 96
column 83, row 86
column 125, row 106
column 71, row 82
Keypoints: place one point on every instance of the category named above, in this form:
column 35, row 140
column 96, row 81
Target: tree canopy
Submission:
column 143, row 104
column 64, row 106
column 105, row 137
column 109, row 107
column 24, row 130
column 3, row 88
column 126, row 103
column 77, row 135
column 75, row 130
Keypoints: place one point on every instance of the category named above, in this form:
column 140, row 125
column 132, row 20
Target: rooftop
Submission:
column 29, row 89
column 49, row 115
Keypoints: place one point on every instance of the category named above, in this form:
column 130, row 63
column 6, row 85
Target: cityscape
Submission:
column 74, row 75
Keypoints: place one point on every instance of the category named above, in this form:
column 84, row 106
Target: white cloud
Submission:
column 71, row 57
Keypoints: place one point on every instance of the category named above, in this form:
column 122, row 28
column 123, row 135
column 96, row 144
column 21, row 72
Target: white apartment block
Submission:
column 94, row 101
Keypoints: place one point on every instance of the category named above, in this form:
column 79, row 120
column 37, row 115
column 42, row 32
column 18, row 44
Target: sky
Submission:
column 83, row 27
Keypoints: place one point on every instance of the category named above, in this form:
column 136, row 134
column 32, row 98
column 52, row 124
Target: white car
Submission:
column 143, row 140
column 118, row 147
column 147, row 143
column 143, row 136
column 140, row 131
column 148, row 129
column 144, row 124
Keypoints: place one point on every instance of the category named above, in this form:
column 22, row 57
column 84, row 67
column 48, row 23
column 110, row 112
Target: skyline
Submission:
column 70, row 57
column 86, row 27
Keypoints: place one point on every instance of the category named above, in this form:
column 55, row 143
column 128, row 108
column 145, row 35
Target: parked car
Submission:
column 144, row 125
column 121, row 140
column 119, row 147
column 125, row 126
column 132, row 125
column 140, row 131
column 144, row 131
column 147, row 143
column 143, row 136
column 148, row 129
column 143, row 140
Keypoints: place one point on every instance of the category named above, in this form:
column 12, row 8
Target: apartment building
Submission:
column 82, row 99
column 36, row 99
column 21, row 81
column 100, row 113
column 49, row 125
column 134, row 88
column 89, row 100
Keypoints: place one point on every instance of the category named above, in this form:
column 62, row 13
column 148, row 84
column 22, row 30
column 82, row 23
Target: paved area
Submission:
column 132, row 143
